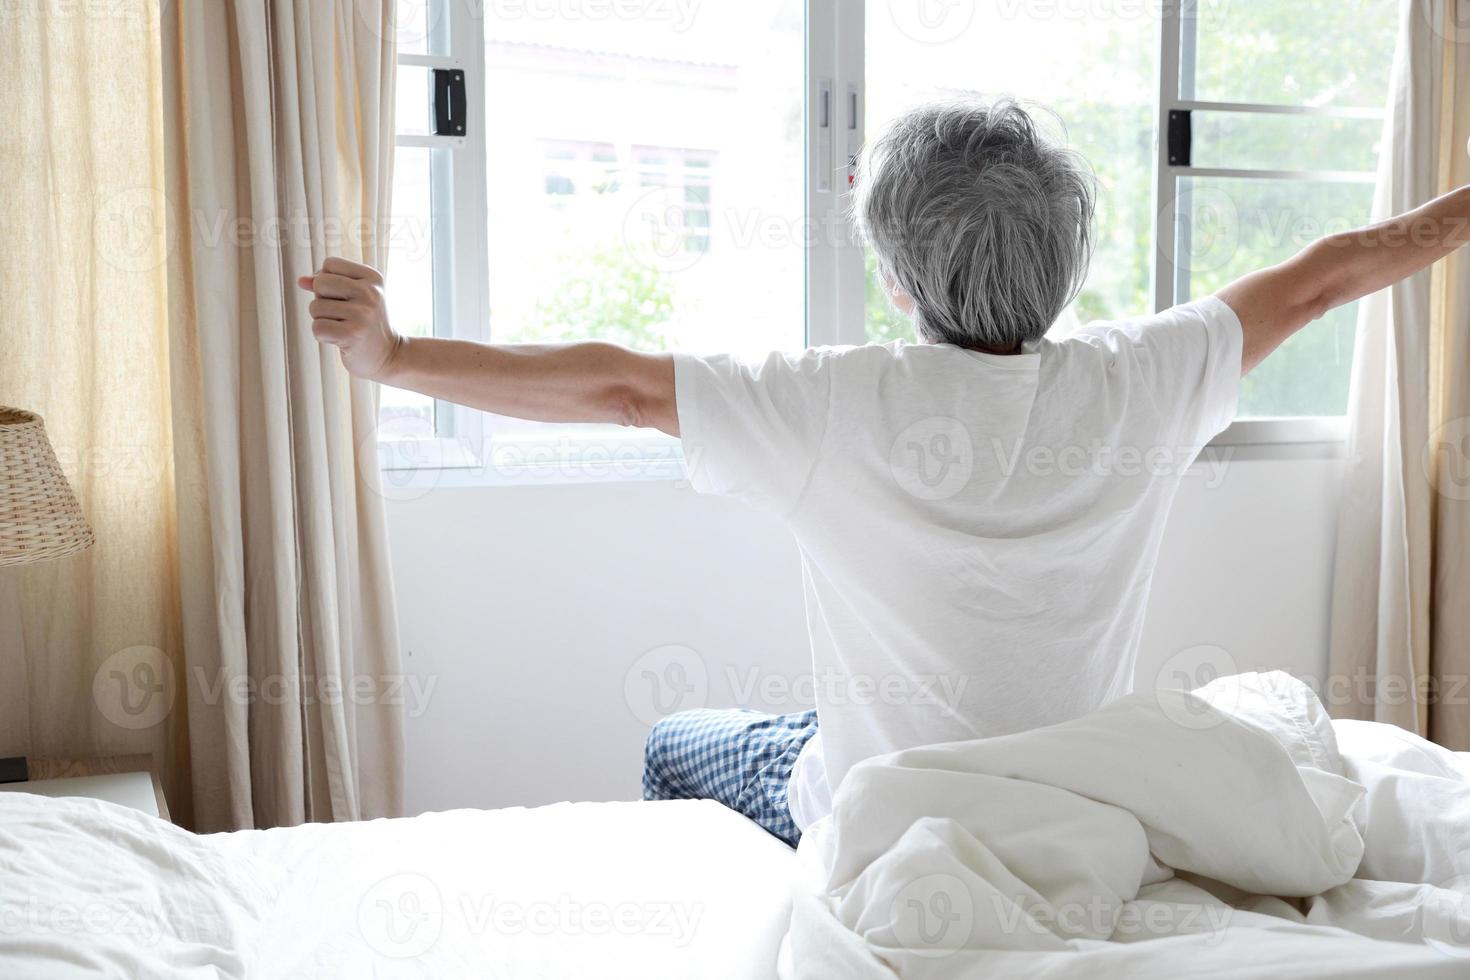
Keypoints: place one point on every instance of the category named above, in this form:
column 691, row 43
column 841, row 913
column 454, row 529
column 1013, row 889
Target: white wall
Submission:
column 1246, row 568
column 532, row 610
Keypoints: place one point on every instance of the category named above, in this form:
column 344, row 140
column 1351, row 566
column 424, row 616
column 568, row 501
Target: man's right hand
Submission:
column 350, row 312
column 577, row 382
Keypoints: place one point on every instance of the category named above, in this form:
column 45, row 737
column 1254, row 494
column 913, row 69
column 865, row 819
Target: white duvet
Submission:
column 1230, row 832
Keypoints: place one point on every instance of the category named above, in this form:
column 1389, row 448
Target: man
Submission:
column 979, row 514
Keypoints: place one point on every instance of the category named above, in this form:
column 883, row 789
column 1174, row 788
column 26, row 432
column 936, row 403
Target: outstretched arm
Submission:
column 1275, row 303
column 583, row 382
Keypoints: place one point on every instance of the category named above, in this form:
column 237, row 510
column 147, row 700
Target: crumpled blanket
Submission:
column 1231, row 831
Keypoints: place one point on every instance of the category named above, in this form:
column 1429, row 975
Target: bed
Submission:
column 637, row 890
column 1235, row 831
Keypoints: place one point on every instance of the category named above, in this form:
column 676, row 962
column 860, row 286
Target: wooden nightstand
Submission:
column 123, row 779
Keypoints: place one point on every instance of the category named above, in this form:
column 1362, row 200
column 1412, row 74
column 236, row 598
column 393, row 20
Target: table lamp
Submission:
column 40, row 518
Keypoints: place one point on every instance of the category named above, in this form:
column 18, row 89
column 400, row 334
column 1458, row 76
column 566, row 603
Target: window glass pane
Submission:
column 419, row 26
column 1237, row 226
column 1302, row 52
column 645, row 182
column 646, row 178
column 414, row 96
column 1096, row 72
column 410, row 276
column 1237, row 139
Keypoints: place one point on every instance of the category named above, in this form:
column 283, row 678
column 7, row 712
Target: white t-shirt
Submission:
column 977, row 531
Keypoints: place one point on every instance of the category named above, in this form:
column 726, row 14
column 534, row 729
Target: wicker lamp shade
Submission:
column 40, row 518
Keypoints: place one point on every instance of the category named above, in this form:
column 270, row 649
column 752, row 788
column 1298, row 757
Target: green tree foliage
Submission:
column 609, row 294
column 885, row 323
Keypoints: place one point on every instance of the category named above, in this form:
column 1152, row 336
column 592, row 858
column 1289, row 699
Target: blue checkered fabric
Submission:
column 741, row 758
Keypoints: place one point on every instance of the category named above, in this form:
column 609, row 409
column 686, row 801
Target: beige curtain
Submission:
column 278, row 121
column 169, row 168
column 90, row 645
column 1400, row 648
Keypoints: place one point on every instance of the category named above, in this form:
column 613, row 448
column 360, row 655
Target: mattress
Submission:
column 645, row 890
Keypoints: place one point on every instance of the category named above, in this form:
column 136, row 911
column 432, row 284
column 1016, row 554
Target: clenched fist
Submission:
column 350, row 313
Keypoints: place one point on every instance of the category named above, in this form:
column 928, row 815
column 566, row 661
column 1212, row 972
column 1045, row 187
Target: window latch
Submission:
column 450, row 102
column 1181, row 138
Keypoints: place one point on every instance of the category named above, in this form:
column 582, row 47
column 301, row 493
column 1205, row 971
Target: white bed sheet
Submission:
column 637, row 890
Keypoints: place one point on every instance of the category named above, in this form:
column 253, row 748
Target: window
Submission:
column 1284, row 103
column 673, row 176
column 629, row 171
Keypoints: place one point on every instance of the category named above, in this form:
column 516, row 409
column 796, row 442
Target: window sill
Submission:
column 1280, row 440
column 411, row 468
column 1331, row 430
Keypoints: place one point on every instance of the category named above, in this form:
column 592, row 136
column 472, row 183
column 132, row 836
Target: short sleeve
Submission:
column 1189, row 358
column 753, row 430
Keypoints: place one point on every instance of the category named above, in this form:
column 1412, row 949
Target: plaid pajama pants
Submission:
column 741, row 758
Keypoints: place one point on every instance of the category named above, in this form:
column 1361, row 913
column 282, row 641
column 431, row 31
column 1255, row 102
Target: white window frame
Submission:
column 835, row 271
column 835, row 99
column 460, row 247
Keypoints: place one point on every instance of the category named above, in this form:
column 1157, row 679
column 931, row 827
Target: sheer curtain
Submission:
column 90, row 645
column 171, row 167
column 279, row 136
column 1400, row 648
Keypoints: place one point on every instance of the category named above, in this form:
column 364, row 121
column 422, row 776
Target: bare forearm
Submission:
column 1274, row 303
column 582, row 382
column 587, row 382
column 1357, row 263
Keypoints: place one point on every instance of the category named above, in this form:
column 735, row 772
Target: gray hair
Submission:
column 983, row 221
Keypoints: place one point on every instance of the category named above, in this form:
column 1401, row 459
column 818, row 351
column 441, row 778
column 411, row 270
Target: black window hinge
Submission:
column 1181, row 138
column 450, row 103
